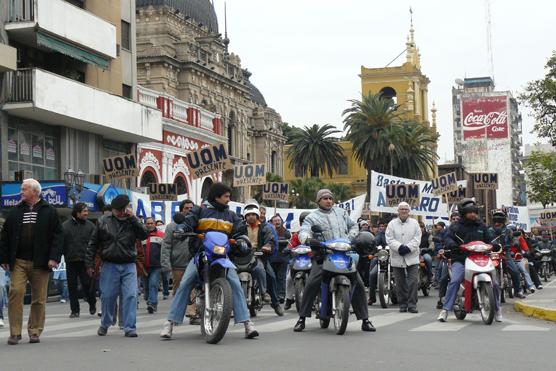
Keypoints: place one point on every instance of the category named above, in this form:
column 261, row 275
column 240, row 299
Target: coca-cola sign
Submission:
column 179, row 141
column 485, row 116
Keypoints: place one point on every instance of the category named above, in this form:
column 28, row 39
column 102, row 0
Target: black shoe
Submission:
column 403, row 310
column 282, row 300
column 131, row 334
column 92, row 309
column 195, row 321
column 439, row 304
column 413, row 310
column 102, row 331
column 367, row 325
column 278, row 310
column 150, row 309
column 34, row 339
column 74, row 315
column 300, row 325
column 288, row 304
column 519, row 295
column 99, row 314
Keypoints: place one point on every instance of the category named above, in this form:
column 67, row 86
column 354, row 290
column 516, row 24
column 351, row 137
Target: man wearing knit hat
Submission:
column 335, row 223
column 115, row 235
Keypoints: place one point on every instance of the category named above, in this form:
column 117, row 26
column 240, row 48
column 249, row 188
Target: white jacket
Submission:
column 335, row 223
column 403, row 233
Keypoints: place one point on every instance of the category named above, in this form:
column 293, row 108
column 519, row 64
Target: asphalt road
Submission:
column 403, row 341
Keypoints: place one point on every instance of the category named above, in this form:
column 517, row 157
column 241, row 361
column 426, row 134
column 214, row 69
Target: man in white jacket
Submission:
column 403, row 236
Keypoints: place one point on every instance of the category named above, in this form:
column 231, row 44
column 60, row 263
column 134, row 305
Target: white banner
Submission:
column 430, row 206
column 519, row 216
column 144, row 207
column 291, row 216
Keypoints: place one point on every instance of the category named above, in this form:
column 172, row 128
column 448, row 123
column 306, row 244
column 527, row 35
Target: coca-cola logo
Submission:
column 475, row 121
column 182, row 142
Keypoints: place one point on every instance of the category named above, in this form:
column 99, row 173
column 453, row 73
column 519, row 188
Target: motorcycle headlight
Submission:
column 302, row 250
column 382, row 255
column 340, row 246
column 545, row 251
column 219, row 250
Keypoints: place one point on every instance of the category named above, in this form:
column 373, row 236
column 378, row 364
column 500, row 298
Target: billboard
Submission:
column 485, row 116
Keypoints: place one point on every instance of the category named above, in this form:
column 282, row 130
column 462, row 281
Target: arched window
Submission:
column 181, row 184
column 389, row 93
column 148, row 177
column 273, row 158
column 205, row 188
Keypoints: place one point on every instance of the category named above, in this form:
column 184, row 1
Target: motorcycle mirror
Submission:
column 316, row 229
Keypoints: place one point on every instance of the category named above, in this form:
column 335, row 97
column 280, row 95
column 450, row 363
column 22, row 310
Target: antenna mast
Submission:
column 490, row 54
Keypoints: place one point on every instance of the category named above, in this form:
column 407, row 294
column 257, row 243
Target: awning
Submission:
column 72, row 50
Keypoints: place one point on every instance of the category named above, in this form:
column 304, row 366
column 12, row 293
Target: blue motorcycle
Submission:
column 212, row 264
column 300, row 267
column 338, row 270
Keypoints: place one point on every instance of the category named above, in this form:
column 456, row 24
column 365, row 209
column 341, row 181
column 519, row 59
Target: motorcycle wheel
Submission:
column 545, row 271
column 254, row 305
column 215, row 320
column 341, row 315
column 299, row 286
column 459, row 312
column 501, row 284
column 486, row 302
column 509, row 285
column 383, row 294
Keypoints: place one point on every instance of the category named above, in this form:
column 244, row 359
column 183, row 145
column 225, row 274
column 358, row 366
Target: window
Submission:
column 32, row 151
column 343, row 170
column 273, row 162
column 126, row 35
column 127, row 91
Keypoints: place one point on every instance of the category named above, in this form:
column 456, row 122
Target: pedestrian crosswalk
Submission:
column 60, row 326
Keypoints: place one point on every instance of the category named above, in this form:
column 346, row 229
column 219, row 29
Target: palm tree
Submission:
column 304, row 192
column 315, row 150
column 419, row 151
column 341, row 191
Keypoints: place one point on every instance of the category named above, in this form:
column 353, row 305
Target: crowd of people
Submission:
column 120, row 256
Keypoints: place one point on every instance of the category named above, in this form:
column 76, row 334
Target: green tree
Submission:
column 314, row 150
column 341, row 192
column 417, row 155
column 303, row 192
column 540, row 168
column 288, row 131
column 540, row 96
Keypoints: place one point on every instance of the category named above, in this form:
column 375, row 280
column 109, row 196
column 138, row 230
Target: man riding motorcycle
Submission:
column 261, row 236
column 294, row 242
column 335, row 223
column 214, row 215
column 499, row 229
column 469, row 228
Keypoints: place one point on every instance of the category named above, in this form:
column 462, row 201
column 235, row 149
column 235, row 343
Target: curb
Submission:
column 537, row 312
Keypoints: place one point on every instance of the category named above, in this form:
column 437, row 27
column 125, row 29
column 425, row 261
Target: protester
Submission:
column 60, row 280
column 164, row 276
column 4, row 282
column 152, row 248
column 77, row 233
column 30, row 246
column 115, row 236
column 403, row 236
column 279, row 260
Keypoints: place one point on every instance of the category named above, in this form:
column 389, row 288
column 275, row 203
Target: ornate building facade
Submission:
column 182, row 55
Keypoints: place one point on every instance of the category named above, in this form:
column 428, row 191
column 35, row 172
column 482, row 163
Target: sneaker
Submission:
column 498, row 316
column 519, row 295
column 92, row 309
column 266, row 298
column 1, row 323
column 99, row 314
column 532, row 290
column 250, row 330
column 278, row 310
column 131, row 334
column 443, row 316
column 74, row 315
column 413, row 310
column 167, row 329
column 63, row 301
column 34, row 339
column 439, row 304
column 300, row 325
column 102, row 331
column 150, row 309
column 14, row 340
column 367, row 325
column 539, row 287
column 288, row 304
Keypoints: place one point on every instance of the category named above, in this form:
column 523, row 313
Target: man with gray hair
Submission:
column 31, row 245
column 403, row 236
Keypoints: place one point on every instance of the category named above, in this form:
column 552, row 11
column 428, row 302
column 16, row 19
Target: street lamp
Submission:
column 74, row 182
column 391, row 149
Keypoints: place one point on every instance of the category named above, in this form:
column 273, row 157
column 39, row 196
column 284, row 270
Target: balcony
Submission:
column 42, row 96
column 8, row 58
column 61, row 26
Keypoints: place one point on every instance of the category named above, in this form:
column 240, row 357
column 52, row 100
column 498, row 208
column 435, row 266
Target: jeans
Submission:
column 190, row 279
column 373, row 278
column 151, row 284
column 78, row 270
column 165, row 283
column 3, row 300
column 280, row 269
column 407, row 285
column 264, row 274
column 458, row 271
column 514, row 272
column 259, row 274
column 290, row 290
column 444, row 278
column 119, row 279
column 62, row 286
column 428, row 264
column 523, row 270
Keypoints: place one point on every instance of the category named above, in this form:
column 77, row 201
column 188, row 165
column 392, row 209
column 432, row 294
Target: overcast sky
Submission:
column 305, row 55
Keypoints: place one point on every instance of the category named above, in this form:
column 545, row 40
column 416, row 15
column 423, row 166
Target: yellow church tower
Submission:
column 406, row 84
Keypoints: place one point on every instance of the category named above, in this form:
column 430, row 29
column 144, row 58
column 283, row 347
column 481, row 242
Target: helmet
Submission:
column 364, row 222
column 468, row 205
column 250, row 209
column 252, row 203
column 302, row 217
column 364, row 239
column 499, row 216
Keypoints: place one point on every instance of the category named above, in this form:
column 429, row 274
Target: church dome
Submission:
column 202, row 11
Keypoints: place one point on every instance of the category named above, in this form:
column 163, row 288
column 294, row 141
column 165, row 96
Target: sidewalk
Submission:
column 541, row 304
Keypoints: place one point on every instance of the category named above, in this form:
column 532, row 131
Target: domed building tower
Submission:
column 181, row 54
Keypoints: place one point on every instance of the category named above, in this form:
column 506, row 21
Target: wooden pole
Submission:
column 487, row 214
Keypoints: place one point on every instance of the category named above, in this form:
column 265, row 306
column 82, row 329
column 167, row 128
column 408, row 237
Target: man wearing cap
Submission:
column 115, row 238
column 335, row 223
column 403, row 236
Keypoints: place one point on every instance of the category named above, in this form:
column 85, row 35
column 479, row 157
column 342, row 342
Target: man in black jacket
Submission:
column 77, row 233
column 30, row 246
column 115, row 237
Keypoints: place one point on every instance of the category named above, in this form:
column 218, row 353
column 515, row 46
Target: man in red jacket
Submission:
column 152, row 247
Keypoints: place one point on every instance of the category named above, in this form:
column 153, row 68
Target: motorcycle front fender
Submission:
column 244, row 277
column 481, row 277
column 225, row 263
column 340, row 280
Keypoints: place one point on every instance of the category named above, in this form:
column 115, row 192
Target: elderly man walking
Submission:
column 403, row 236
column 30, row 246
